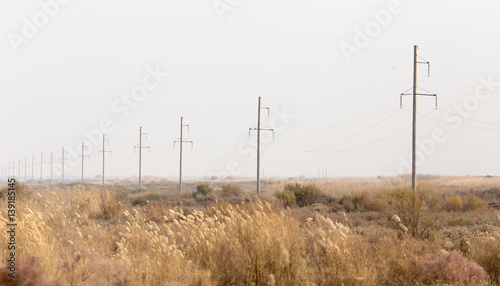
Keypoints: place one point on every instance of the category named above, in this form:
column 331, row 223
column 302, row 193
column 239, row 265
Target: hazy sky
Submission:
column 330, row 72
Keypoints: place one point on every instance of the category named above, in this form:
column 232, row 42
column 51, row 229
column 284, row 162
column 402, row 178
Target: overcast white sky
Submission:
column 331, row 73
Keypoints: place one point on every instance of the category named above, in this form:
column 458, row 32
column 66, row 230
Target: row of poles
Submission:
column 259, row 129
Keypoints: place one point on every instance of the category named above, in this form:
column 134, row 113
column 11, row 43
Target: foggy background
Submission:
column 331, row 74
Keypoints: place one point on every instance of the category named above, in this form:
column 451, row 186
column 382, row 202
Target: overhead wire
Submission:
column 345, row 123
column 346, row 140
column 349, row 94
column 461, row 57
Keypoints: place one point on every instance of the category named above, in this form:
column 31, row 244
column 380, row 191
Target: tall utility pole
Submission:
column 103, row 154
column 25, row 166
column 260, row 107
column 414, row 130
column 140, row 153
column 83, row 156
column 181, row 141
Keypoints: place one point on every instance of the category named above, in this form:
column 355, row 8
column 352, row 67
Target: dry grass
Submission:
column 96, row 236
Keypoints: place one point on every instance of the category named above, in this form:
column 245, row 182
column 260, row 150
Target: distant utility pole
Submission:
column 25, row 166
column 260, row 107
column 140, row 152
column 83, row 156
column 180, row 141
column 19, row 169
column 414, row 131
column 104, row 154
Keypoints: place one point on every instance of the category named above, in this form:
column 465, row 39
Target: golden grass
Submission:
column 94, row 236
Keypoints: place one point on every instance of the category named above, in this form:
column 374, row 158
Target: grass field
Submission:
column 345, row 231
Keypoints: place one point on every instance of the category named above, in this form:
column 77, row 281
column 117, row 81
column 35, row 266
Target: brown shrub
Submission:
column 450, row 268
column 454, row 204
column 231, row 191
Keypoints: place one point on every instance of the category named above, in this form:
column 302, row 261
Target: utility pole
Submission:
column 19, row 169
column 25, row 166
column 414, row 124
column 260, row 107
column 83, row 156
column 140, row 152
column 103, row 155
column 180, row 141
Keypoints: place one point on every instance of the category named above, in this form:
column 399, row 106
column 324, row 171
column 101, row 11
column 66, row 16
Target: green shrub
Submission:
column 203, row 189
column 286, row 197
column 303, row 195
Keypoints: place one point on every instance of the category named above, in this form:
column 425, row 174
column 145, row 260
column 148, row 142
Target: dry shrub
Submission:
column 475, row 204
column 356, row 202
column 454, row 204
column 414, row 212
column 486, row 252
column 29, row 272
column 110, row 207
column 229, row 191
column 450, row 268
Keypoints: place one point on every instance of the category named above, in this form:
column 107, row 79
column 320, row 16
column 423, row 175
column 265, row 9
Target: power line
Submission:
column 241, row 115
column 349, row 94
column 466, row 118
column 464, row 85
column 462, row 57
column 469, row 126
column 345, row 123
column 346, row 140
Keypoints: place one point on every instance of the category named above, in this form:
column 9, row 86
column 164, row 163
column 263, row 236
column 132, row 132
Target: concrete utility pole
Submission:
column 181, row 141
column 83, row 157
column 140, row 153
column 103, row 155
column 258, row 139
column 414, row 130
